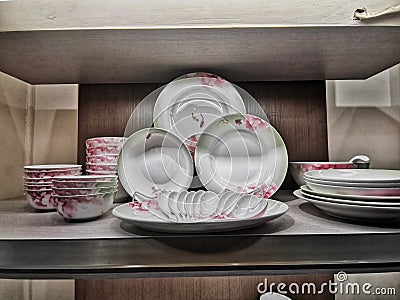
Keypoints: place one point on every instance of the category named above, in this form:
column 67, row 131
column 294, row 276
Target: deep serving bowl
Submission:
column 106, row 177
column 84, row 184
column 40, row 199
column 84, row 208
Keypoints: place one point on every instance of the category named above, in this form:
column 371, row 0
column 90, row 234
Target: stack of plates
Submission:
column 102, row 155
column 38, row 183
column 359, row 194
column 84, row 197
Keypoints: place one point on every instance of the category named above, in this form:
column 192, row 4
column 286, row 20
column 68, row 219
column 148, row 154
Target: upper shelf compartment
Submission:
column 153, row 41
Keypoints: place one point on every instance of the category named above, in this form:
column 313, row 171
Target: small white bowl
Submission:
column 83, row 208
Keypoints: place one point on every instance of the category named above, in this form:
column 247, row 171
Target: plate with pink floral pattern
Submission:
column 189, row 103
column 241, row 153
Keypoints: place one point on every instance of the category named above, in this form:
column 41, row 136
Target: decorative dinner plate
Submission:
column 147, row 221
column 189, row 103
column 355, row 184
column 345, row 201
column 241, row 153
column 351, row 190
column 356, row 175
column 306, row 189
column 153, row 159
column 354, row 212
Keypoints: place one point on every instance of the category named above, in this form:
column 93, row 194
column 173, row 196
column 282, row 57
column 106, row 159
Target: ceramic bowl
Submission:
column 103, row 150
column 104, row 141
column 38, row 186
column 102, row 159
column 40, row 180
column 83, row 208
column 102, row 167
column 84, row 184
column 40, row 200
column 91, row 172
column 297, row 169
column 41, row 174
column 105, row 177
column 44, row 168
column 83, row 191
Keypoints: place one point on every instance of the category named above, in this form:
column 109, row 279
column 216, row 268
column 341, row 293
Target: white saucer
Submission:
column 356, row 175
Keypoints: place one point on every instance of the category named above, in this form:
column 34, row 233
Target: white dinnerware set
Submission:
column 354, row 194
column 201, row 125
column 102, row 155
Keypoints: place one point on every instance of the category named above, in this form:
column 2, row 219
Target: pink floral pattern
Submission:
column 262, row 191
column 84, row 184
column 102, row 167
column 315, row 166
column 102, row 159
column 253, row 123
column 40, row 200
column 104, row 141
column 191, row 144
column 109, row 149
column 211, row 80
column 42, row 174
column 82, row 191
column 83, row 207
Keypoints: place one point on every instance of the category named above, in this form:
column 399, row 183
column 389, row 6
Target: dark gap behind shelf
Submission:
column 296, row 109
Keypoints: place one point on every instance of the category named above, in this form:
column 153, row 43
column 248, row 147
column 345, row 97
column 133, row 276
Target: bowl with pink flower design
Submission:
column 103, row 159
column 104, row 150
column 297, row 169
column 40, row 199
column 83, row 207
column 104, row 141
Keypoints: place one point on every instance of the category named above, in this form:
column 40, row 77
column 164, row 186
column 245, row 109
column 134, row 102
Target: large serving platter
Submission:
column 153, row 159
column 354, row 212
column 241, row 153
column 147, row 221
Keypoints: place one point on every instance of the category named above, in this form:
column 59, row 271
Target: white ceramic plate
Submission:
column 153, row 159
column 241, row 153
column 345, row 201
column 188, row 104
column 351, row 197
column 147, row 221
column 349, row 190
column 354, row 212
column 356, row 175
column 355, row 184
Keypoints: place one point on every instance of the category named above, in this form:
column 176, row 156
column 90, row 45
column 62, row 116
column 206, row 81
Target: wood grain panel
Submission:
column 296, row 109
column 202, row 288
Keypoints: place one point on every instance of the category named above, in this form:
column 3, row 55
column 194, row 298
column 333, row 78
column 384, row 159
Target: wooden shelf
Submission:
column 303, row 239
column 153, row 41
column 239, row 54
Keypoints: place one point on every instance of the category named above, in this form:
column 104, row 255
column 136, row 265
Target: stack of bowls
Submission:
column 84, row 197
column 102, row 155
column 38, row 183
